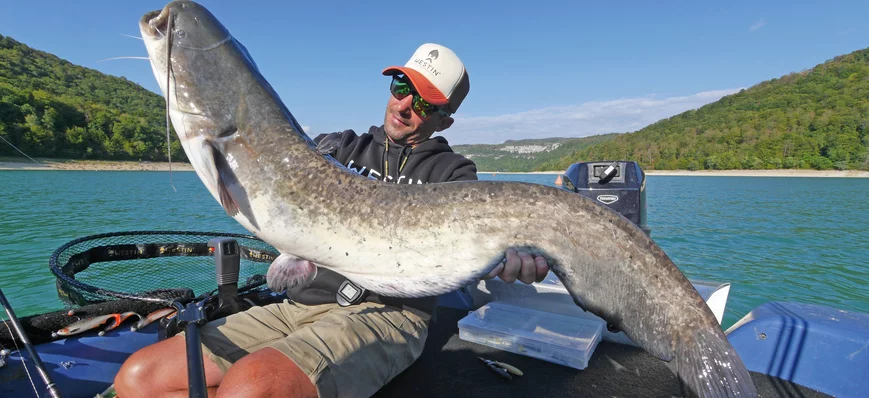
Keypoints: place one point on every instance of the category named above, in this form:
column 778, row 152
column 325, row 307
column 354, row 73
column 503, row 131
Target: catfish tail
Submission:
column 708, row 366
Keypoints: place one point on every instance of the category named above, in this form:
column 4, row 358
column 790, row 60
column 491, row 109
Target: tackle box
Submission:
column 556, row 338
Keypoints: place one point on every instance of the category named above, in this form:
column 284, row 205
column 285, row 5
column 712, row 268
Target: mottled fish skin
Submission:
column 417, row 240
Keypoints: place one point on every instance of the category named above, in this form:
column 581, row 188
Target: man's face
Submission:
column 406, row 127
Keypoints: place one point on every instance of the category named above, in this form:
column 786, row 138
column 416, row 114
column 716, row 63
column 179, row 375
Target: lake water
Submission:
column 783, row 239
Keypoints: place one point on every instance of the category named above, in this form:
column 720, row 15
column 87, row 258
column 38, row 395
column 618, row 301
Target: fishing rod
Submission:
column 16, row 148
column 191, row 316
column 49, row 384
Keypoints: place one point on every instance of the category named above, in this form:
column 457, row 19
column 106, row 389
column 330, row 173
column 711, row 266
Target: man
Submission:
column 320, row 342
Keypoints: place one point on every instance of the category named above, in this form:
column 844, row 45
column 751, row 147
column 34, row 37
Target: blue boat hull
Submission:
column 822, row 348
column 81, row 366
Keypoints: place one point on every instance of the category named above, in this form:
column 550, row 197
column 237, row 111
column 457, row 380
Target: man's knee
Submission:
column 160, row 368
column 266, row 372
column 136, row 375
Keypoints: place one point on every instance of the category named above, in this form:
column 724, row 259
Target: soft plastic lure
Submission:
column 152, row 317
column 111, row 321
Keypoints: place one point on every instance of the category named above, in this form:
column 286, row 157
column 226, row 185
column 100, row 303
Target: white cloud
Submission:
column 590, row 118
column 757, row 25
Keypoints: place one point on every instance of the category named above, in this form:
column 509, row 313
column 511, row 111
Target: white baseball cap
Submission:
column 438, row 75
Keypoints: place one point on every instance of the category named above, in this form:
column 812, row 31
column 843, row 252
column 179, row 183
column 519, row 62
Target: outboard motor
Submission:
column 621, row 185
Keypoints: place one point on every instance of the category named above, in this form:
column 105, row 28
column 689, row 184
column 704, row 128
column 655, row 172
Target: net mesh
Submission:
column 155, row 266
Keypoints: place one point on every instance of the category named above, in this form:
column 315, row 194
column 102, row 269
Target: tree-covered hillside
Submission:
column 813, row 119
column 52, row 108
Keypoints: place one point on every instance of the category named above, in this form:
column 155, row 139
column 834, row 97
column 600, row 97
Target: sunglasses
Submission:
column 401, row 88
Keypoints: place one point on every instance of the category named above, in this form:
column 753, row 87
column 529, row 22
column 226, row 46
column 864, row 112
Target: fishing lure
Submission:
column 152, row 317
column 502, row 369
column 111, row 321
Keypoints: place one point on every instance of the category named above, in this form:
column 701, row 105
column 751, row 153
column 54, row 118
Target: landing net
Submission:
column 152, row 266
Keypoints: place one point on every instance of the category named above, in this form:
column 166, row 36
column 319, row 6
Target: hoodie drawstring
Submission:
column 386, row 159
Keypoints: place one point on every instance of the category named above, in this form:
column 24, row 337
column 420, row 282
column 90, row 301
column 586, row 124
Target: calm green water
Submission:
column 787, row 239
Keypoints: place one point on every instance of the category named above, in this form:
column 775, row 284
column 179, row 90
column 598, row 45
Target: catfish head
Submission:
column 204, row 74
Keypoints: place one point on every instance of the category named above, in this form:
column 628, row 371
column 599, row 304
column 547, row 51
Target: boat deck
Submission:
column 449, row 367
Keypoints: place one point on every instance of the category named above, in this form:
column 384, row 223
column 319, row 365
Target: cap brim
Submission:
column 426, row 89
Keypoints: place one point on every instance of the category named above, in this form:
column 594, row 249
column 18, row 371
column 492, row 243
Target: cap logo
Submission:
column 433, row 55
column 426, row 65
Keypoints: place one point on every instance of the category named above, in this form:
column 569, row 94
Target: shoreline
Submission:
column 764, row 173
column 729, row 173
column 121, row 165
column 91, row 165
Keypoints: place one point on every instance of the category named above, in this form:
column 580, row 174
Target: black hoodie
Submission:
column 431, row 161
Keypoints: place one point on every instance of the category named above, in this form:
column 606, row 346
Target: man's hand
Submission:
column 520, row 265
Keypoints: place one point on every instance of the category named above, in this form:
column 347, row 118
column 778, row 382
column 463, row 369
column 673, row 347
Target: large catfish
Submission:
column 415, row 240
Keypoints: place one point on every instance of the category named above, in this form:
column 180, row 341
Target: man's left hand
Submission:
column 522, row 266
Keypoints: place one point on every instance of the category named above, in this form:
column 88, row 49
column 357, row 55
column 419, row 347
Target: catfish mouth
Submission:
column 155, row 23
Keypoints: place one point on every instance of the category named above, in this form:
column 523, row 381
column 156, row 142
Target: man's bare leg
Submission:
column 161, row 370
column 266, row 373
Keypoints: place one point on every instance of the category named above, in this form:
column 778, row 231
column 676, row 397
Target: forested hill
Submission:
column 50, row 107
column 812, row 119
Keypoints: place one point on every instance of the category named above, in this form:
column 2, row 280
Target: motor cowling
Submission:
column 619, row 185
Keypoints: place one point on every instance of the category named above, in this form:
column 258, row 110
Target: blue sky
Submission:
column 538, row 68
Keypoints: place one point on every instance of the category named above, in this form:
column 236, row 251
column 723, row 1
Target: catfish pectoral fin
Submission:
column 226, row 199
column 233, row 196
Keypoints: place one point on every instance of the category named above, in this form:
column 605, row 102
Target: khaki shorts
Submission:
column 346, row 351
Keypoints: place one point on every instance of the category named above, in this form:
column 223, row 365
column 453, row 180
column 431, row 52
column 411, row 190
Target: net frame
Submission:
column 80, row 254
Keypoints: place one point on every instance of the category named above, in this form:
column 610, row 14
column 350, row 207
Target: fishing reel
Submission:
column 227, row 257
